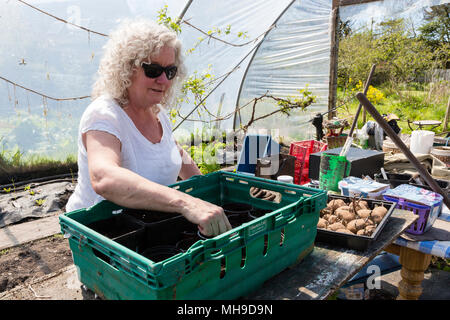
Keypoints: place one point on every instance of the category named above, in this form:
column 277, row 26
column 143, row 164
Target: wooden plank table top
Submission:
column 327, row 268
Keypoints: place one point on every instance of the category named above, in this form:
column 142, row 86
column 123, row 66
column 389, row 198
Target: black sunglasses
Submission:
column 154, row 70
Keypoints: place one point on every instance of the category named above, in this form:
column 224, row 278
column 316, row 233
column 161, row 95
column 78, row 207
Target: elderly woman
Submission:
column 126, row 151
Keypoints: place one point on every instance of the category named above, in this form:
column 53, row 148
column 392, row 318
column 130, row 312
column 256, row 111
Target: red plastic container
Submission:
column 301, row 150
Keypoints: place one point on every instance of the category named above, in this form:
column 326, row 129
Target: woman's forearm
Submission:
column 130, row 190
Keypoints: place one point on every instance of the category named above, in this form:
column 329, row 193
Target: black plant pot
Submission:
column 160, row 253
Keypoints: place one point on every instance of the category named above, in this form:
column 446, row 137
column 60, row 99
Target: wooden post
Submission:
column 414, row 264
column 446, row 115
column 332, row 89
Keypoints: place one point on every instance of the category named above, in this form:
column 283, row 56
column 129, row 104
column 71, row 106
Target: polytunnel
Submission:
column 51, row 50
column 241, row 50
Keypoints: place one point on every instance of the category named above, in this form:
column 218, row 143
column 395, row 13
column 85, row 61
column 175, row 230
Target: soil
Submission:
column 22, row 264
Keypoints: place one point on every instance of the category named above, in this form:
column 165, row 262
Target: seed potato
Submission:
column 364, row 213
column 322, row 223
column 336, row 203
column 344, row 231
column 332, row 219
column 336, row 226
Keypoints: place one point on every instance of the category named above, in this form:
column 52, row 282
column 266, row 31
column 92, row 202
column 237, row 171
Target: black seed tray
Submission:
column 353, row 241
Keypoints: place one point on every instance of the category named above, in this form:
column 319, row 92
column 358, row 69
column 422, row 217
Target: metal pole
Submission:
column 186, row 7
column 390, row 132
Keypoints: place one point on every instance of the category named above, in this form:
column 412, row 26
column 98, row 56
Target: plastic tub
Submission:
column 302, row 150
column 422, row 141
column 442, row 153
column 394, row 179
column 425, row 203
column 357, row 187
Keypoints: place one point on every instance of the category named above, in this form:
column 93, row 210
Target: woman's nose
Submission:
column 162, row 78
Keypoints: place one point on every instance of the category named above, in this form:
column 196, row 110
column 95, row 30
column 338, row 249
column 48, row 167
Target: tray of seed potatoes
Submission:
column 352, row 222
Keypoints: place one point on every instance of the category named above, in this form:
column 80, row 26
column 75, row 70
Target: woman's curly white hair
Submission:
column 129, row 45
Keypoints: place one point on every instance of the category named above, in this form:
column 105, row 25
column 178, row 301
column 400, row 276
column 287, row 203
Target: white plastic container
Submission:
column 357, row 187
column 422, row 141
column 287, row 179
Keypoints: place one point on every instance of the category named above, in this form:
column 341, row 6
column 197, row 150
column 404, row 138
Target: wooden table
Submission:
column 414, row 263
column 415, row 257
column 327, row 268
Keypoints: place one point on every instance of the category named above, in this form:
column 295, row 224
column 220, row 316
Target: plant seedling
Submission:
column 40, row 202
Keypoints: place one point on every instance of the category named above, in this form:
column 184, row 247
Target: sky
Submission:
column 362, row 15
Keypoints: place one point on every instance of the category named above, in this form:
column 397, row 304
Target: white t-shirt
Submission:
column 158, row 162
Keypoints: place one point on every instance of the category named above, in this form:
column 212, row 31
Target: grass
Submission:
column 58, row 236
column 408, row 102
column 15, row 166
column 440, row 263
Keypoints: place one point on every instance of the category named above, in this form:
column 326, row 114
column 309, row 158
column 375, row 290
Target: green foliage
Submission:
column 204, row 156
column 305, row 99
column 407, row 102
column 403, row 57
column 399, row 54
column 39, row 202
column 194, row 90
column 436, row 34
column 170, row 23
column 440, row 263
column 437, row 30
column 14, row 162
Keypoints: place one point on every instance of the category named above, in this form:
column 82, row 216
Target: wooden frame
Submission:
column 343, row 3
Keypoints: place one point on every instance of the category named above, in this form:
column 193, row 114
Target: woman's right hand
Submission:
column 211, row 219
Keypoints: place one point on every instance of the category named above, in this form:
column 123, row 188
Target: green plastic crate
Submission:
column 228, row 266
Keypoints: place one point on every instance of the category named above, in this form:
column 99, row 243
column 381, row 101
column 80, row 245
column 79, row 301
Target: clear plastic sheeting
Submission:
column 55, row 59
column 227, row 61
column 284, row 46
column 42, row 49
column 366, row 14
column 295, row 55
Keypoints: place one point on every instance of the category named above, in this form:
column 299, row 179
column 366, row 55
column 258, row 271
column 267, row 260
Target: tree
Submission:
column 400, row 56
column 345, row 29
column 406, row 55
column 436, row 34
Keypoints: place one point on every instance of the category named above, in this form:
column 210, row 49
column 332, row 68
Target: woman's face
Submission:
column 145, row 92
